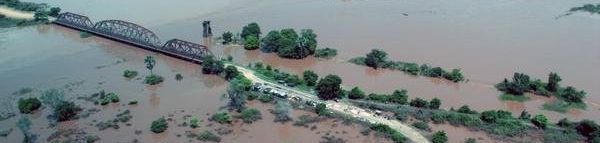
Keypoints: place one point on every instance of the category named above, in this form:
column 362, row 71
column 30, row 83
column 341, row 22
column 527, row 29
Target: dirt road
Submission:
column 345, row 108
column 12, row 13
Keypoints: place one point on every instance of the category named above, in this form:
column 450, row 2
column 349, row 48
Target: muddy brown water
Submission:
column 488, row 40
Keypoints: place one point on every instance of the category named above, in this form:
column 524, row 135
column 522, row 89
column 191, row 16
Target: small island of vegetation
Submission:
column 590, row 8
column 378, row 59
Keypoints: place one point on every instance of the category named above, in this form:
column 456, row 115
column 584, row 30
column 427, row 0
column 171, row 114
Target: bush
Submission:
column 65, row 110
column 470, row 140
column 492, row 116
column 130, row 74
column 507, row 127
column 133, row 102
column 153, row 79
column 356, row 93
column 107, row 98
column 389, row 132
column 326, row 53
column 227, row 37
column 465, row 109
column 212, row 66
column 251, row 96
column 421, row 125
column 251, row 43
column 208, row 136
column 159, row 125
column 376, row 58
column 222, row 118
column 310, row 78
column 540, row 121
column 231, row 72
column 251, row 29
column 419, row 103
column 194, row 123
column 29, row 105
column 250, row 115
column 329, row 87
column 439, row 137
column 321, row 109
column 265, row 98
column 435, row 103
column 178, row 76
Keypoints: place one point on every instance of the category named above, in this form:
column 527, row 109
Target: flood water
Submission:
column 488, row 40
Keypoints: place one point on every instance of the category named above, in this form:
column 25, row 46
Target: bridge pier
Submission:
column 207, row 31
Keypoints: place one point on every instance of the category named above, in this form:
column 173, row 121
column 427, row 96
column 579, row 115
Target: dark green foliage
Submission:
column 150, row 63
column 435, row 103
column 222, row 118
column 178, row 77
column 455, row 75
column 231, row 72
column 399, row 96
column 421, row 125
column 227, row 37
column 419, row 103
column 525, row 115
column 540, row 121
column 507, row 127
column 29, row 105
column 470, row 140
column 159, row 125
column 389, row 132
column 251, row 29
column 265, row 98
column 208, row 136
column 212, row 66
column 66, row 110
column 251, row 95
column 326, row 53
column 553, row 80
column 133, row 102
column 465, row 109
column 565, row 123
column 194, row 123
column 519, row 84
column 439, row 137
column 376, row 58
column 561, row 136
column 321, row 109
column 272, row 41
column 356, row 93
column 571, row 95
column 492, row 116
column 590, row 8
column 282, row 112
column 104, row 99
column 250, row 115
column 588, row 128
column 251, row 43
column 130, row 74
column 329, row 87
column 310, row 78
column 54, row 11
column 153, row 79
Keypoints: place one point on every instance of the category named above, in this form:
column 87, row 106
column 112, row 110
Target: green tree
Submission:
column 308, row 40
column 221, row 118
column 419, row 103
column 29, row 105
column 310, row 77
column 65, row 110
column 251, row 43
column 289, row 33
column 376, row 58
column 439, row 137
column 356, row 93
column 272, row 41
column 454, row 76
column 251, row 115
column 525, row 115
column 553, row 80
column 212, row 66
column 231, row 72
column 540, row 121
column 435, row 103
column 159, row 125
column 571, row 95
column 194, row 123
column 329, row 87
column 227, row 37
column 54, row 11
column 150, row 62
column 399, row 96
column 251, row 29
column 321, row 109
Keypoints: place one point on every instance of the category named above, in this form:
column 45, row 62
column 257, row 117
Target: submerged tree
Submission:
column 376, row 58
column 150, row 62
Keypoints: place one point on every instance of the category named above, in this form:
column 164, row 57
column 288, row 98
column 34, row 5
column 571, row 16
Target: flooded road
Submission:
column 488, row 40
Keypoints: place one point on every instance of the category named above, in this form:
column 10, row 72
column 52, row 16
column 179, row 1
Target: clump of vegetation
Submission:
column 326, row 53
column 271, row 74
column 288, row 44
column 281, row 112
column 378, row 59
column 159, row 125
column 329, row 87
column 321, row 109
column 29, row 105
column 264, row 98
column 227, row 37
column 41, row 13
column 251, row 29
column 194, row 123
column 208, row 136
column 178, row 77
column 153, row 79
column 304, row 120
column 421, row 125
column 521, row 83
column 66, row 110
column 104, row 99
column 310, row 77
column 510, row 97
column 212, row 66
column 130, row 74
column 250, row 115
column 540, row 121
column 439, row 137
column 251, row 43
column 590, row 8
column 389, row 132
column 133, row 102
column 222, row 118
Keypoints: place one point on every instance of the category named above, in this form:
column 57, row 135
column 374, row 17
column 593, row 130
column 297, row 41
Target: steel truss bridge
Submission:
column 136, row 35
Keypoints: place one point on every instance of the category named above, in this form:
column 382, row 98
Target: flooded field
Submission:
column 488, row 40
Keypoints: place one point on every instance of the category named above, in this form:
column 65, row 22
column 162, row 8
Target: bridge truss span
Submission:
column 75, row 21
column 129, row 31
column 188, row 49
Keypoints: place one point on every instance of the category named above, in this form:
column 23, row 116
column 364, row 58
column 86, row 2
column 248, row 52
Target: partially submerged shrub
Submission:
column 130, row 74
column 153, row 79
column 29, row 105
column 222, row 118
column 66, row 110
column 159, row 125
column 250, row 115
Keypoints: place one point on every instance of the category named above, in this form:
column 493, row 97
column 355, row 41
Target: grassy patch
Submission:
column 562, row 106
column 510, row 97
